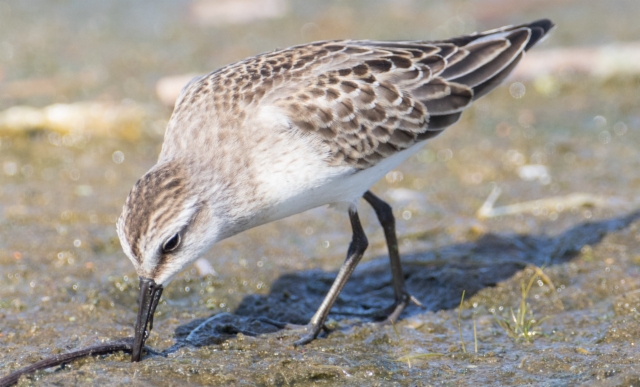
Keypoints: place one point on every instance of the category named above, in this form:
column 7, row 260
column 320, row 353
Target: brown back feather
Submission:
column 367, row 100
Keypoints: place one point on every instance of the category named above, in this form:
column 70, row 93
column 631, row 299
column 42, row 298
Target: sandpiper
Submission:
column 290, row 130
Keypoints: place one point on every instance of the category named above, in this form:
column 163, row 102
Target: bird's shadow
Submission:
column 436, row 278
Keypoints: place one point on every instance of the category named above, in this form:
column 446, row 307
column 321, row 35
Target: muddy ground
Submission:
column 65, row 283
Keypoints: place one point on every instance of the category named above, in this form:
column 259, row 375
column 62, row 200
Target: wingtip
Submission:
column 539, row 31
column 546, row 25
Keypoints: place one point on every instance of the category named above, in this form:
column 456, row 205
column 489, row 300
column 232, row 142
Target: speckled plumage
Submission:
column 290, row 130
column 255, row 135
column 364, row 100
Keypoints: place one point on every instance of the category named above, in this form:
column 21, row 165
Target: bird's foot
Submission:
column 308, row 332
column 391, row 314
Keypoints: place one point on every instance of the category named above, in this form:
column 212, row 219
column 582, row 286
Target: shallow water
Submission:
column 65, row 283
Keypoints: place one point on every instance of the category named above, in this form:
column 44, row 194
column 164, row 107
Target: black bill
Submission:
column 149, row 296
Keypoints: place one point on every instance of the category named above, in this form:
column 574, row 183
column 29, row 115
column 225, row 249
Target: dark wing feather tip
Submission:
column 546, row 24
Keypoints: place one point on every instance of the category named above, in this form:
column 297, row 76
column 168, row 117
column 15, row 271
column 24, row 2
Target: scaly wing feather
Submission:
column 368, row 100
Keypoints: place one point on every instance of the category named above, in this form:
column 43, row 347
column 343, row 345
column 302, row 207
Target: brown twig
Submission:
column 56, row 360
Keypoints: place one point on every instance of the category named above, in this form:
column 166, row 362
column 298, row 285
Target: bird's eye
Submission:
column 172, row 243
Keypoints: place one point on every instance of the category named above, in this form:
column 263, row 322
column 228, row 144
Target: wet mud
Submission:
column 66, row 285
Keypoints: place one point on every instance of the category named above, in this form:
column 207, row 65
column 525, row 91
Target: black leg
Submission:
column 385, row 216
column 357, row 247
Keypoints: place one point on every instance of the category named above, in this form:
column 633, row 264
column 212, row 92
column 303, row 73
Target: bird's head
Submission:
column 165, row 225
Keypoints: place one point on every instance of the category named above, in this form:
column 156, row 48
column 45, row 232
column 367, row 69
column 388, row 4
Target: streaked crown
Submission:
column 158, row 207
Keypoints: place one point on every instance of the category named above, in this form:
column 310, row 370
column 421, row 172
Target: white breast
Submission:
column 294, row 176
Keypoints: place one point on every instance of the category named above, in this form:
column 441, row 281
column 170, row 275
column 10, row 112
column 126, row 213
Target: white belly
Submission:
column 315, row 184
